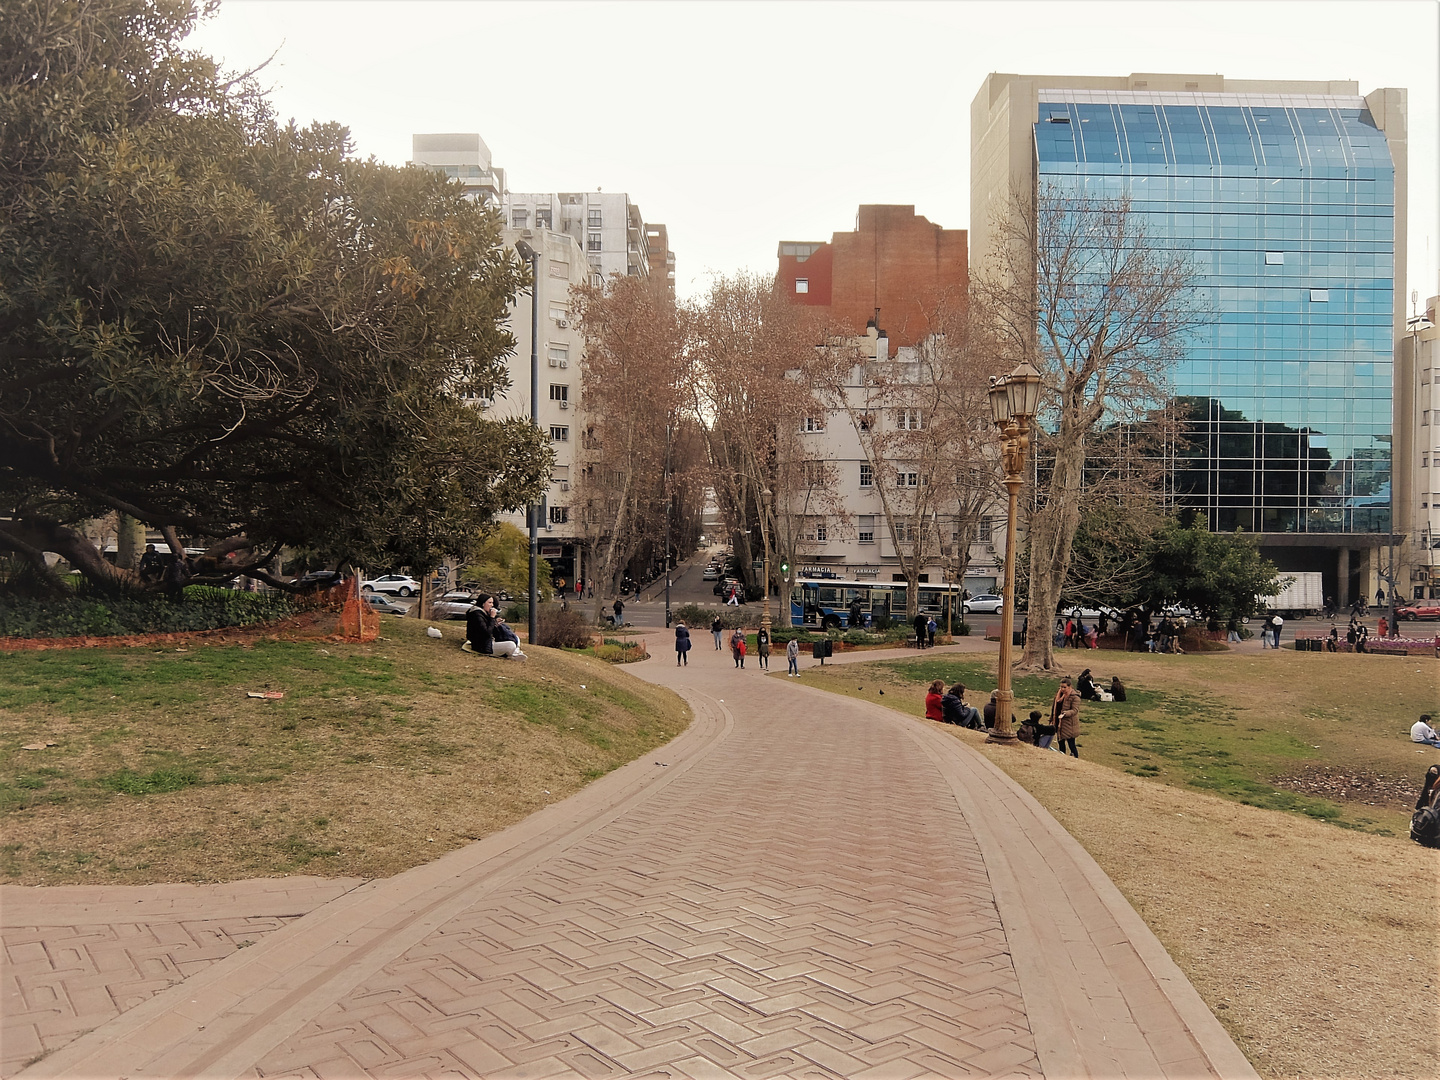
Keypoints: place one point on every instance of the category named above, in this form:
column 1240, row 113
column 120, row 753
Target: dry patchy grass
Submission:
column 378, row 758
column 1316, row 946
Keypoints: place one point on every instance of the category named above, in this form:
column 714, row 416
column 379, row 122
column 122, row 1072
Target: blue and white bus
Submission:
column 830, row 602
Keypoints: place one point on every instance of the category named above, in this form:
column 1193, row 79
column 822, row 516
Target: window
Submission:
column 558, row 313
column 519, row 218
column 1319, row 296
column 1425, row 461
column 560, row 473
column 1424, row 421
column 909, row 420
column 802, row 285
column 542, row 218
column 813, row 423
column 867, row 476
column 864, row 422
column 559, row 515
column 1274, row 258
column 907, row 479
column 904, row 533
column 821, row 535
column 867, row 528
column 597, row 280
column 595, row 219
column 593, row 243
column 559, row 392
column 559, row 433
column 986, row 530
column 557, row 353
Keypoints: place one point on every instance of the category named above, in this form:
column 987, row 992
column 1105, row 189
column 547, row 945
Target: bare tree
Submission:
column 747, row 344
column 630, row 397
column 1077, row 287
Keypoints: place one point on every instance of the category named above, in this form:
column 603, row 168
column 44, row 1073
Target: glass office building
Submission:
column 1286, row 203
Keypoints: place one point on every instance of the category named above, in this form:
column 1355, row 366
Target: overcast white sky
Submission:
column 742, row 124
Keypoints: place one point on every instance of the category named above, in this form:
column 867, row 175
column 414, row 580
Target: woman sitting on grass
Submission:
column 934, row 709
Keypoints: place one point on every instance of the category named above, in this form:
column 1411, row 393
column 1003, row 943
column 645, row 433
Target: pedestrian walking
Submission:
column 619, row 612
column 1065, row 714
column 682, row 645
column 1383, row 627
column 1232, row 631
column 792, row 658
column 737, row 647
column 930, row 628
column 762, row 648
column 1276, row 625
column 717, row 628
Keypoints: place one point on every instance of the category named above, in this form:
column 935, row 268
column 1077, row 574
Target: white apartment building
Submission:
column 560, row 358
column 463, row 157
column 607, row 226
column 1424, row 539
column 856, row 540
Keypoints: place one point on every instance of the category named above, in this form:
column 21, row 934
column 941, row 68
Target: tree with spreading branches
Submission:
column 230, row 330
column 1079, row 288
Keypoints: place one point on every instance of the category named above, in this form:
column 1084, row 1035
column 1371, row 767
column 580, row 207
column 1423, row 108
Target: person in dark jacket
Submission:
column 921, row 622
column 1117, row 688
column 682, row 645
column 717, row 628
column 762, row 648
column 619, row 612
column 1086, row 685
column 955, row 709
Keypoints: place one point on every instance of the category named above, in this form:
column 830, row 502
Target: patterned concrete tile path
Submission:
column 798, row 886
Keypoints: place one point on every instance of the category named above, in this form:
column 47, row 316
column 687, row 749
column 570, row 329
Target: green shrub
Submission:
column 613, row 651
column 517, row 614
column 90, row 613
column 731, row 618
column 560, row 629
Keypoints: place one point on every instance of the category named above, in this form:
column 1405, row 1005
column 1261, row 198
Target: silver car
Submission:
column 454, row 605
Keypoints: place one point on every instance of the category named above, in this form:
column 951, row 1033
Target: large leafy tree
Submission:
column 227, row 328
column 1221, row 574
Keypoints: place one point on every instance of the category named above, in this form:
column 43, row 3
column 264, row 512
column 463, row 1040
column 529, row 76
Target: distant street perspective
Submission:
column 949, row 588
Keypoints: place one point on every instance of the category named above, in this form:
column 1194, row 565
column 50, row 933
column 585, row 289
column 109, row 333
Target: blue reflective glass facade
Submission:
column 1288, row 213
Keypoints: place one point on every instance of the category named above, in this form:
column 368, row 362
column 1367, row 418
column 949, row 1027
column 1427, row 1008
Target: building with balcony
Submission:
column 1290, row 197
column 895, row 268
column 464, row 158
column 608, row 227
column 875, row 504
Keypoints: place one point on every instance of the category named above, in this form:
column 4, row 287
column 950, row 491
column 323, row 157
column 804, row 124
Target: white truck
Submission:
column 1301, row 593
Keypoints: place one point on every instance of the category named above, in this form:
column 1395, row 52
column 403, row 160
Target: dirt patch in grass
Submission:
column 378, row 757
column 1352, row 785
column 1316, row 946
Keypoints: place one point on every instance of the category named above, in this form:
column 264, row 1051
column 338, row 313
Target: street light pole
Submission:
column 765, row 499
column 1014, row 399
column 528, row 252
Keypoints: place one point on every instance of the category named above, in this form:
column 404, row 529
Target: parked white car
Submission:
column 985, row 604
column 454, row 605
column 392, row 583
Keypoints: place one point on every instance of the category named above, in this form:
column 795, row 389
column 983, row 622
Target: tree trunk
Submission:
column 1052, row 532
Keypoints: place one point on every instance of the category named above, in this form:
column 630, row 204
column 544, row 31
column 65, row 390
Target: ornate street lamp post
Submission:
column 765, row 498
column 1014, row 399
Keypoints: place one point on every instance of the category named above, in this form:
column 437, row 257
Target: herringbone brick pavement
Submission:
column 806, row 901
column 70, row 963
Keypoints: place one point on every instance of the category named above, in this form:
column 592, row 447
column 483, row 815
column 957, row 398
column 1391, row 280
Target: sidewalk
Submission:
column 799, row 885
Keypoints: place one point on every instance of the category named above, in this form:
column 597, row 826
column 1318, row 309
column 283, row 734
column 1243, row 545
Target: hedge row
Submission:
column 88, row 615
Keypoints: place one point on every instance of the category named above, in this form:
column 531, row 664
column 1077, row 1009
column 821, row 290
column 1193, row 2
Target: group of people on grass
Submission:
column 487, row 633
column 1058, row 731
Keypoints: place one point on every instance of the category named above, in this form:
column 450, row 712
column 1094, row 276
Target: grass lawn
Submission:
column 1211, row 799
column 1326, row 735
column 379, row 757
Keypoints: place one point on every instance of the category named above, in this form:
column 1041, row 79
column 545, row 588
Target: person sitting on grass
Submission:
column 1086, row 685
column 1117, row 688
column 1422, row 732
column 1044, row 733
column 934, row 709
column 487, row 634
column 955, row 709
column 1026, row 731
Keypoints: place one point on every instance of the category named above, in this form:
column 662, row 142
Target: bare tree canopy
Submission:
column 1078, row 288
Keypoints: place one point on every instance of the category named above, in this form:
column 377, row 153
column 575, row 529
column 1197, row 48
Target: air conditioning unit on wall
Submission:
column 564, row 404
column 562, row 323
column 564, row 363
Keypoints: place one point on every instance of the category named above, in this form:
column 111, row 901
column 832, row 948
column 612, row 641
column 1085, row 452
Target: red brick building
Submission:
column 895, row 261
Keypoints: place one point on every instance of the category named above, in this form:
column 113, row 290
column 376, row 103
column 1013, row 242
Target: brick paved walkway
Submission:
column 798, row 886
